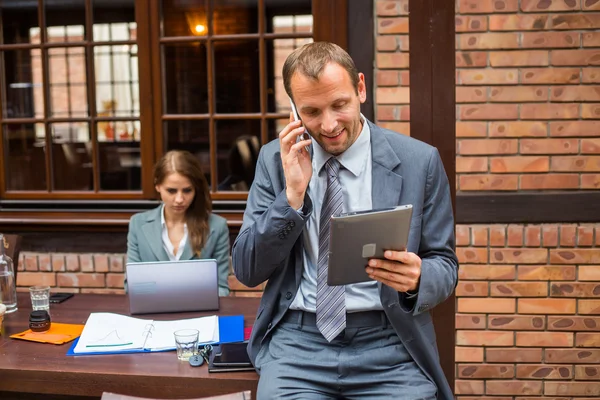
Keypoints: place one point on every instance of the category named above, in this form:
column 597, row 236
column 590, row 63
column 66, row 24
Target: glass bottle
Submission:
column 8, row 289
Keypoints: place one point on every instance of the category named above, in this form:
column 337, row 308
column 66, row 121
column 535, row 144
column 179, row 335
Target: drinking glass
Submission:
column 40, row 298
column 186, row 341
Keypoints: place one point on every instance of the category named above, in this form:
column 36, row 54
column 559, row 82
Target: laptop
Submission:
column 172, row 286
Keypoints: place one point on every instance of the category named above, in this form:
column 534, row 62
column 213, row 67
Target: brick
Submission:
column 549, row 111
column 574, row 256
column 86, row 263
column 72, row 262
column 590, row 75
column 519, row 22
column 102, row 291
column 21, row 262
column 497, row 235
column 115, row 280
column 550, row 235
column 400, row 127
column 473, row 255
column 519, row 289
column 590, row 111
column 468, row 354
column 463, row 237
column 44, row 263
column 487, row 146
column 572, row 388
column 573, row 323
column 513, row 387
column 555, row 76
column 575, row 163
column 587, row 372
column 488, row 272
column 392, row 60
column 471, row 164
column 116, row 263
column 549, row 5
column 572, row 356
column 248, row 294
column 504, row 76
column 36, row 278
column 589, row 272
column 58, row 262
column 386, row 43
column 488, row 182
column 585, row 307
column 471, row 129
column 544, row 339
column 590, row 181
column 470, row 23
column 484, row 338
column 518, row 94
column 391, row 8
column 470, row 321
column 567, row 232
column 575, row 57
column 550, row 181
column 388, row 78
column 500, row 165
column 487, row 6
column 468, row 387
column 575, row 93
column 81, row 280
column 488, row 305
column 516, row 322
column 515, row 235
column 552, row 40
column 101, row 262
column 392, row 25
column 479, row 235
column 549, row 146
column 518, row 128
column 546, row 306
column 471, row 59
column 590, row 146
column 544, row 371
column 585, row 339
column 575, row 21
column 574, row 128
column 591, row 5
column 466, row 94
column 484, row 371
column 386, row 113
column 518, row 256
column 513, row 355
column 585, row 233
column 404, row 78
column 519, row 58
column 533, row 236
column 393, row 95
column 31, row 262
column 546, row 272
column 472, row 289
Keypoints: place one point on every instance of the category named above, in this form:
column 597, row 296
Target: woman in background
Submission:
column 183, row 226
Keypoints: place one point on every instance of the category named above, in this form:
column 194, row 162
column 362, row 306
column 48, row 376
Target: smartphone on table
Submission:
column 56, row 298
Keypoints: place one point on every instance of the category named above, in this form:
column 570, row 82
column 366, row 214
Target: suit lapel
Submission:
column 386, row 179
column 187, row 250
column 153, row 232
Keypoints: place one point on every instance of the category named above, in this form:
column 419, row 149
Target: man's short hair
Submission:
column 310, row 60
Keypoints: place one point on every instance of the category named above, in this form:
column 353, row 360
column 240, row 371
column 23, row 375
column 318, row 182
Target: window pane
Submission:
column 117, row 81
column 120, row 131
column 71, row 156
column 119, row 156
column 23, row 79
column 19, row 21
column 185, row 79
column 68, row 91
column 65, row 21
column 192, row 136
column 114, row 20
column 277, row 52
column 24, row 157
column 237, row 76
column 184, row 18
column 284, row 18
column 238, row 144
column 235, row 16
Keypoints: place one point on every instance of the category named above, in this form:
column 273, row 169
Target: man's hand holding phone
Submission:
column 295, row 157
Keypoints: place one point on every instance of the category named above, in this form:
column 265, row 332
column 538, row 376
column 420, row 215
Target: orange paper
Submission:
column 57, row 334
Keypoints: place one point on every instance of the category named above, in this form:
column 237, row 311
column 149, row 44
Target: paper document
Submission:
column 108, row 332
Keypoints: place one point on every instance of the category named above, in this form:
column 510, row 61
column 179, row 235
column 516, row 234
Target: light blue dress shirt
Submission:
column 356, row 179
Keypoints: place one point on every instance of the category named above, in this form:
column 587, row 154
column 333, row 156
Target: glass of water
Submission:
column 186, row 341
column 40, row 298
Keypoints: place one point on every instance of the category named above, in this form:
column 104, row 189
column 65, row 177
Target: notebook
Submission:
column 172, row 286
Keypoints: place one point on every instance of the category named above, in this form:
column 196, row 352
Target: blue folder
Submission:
column 231, row 330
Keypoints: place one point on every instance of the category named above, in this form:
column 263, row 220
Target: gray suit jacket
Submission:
column 144, row 243
column 405, row 171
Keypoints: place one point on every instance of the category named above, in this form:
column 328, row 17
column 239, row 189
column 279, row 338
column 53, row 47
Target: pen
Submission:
column 108, row 345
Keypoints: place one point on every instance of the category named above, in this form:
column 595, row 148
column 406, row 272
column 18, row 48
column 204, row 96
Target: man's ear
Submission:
column 362, row 88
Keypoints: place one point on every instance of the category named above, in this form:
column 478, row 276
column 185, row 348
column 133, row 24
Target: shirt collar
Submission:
column 163, row 223
column 353, row 159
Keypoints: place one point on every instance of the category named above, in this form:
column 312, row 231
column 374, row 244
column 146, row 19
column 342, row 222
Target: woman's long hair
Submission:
column 196, row 216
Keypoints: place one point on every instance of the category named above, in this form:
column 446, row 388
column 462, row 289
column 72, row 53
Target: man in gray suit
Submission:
column 366, row 340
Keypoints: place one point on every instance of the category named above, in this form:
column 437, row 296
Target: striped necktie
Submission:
column 331, row 301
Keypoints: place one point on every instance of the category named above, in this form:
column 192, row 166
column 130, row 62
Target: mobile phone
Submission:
column 304, row 135
column 232, row 355
column 59, row 297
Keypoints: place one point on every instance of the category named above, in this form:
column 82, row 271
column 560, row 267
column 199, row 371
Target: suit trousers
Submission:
column 366, row 361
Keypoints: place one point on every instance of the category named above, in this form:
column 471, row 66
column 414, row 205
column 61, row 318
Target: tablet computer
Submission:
column 230, row 357
column 357, row 237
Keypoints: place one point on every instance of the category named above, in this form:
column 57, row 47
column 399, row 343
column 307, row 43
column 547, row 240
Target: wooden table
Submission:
column 30, row 370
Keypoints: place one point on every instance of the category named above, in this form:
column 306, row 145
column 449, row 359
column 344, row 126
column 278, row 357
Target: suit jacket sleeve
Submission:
column 439, row 267
column 221, row 254
column 133, row 254
column 271, row 227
